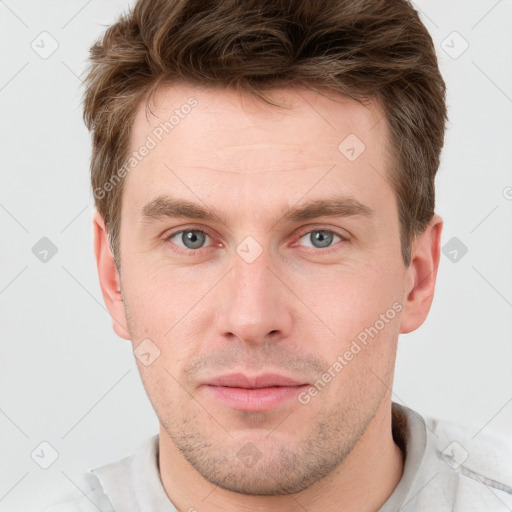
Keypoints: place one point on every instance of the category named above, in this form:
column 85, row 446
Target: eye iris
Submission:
column 323, row 238
column 193, row 239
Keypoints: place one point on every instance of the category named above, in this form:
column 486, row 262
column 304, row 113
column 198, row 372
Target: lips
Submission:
column 259, row 393
column 268, row 380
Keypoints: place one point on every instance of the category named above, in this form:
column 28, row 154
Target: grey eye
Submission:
column 320, row 238
column 190, row 238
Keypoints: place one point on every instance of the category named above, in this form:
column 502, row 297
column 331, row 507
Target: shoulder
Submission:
column 115, row 486
column 88, row 496
column 479, row 462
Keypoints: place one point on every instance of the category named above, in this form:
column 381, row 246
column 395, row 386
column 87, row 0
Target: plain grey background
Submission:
column 67, row 380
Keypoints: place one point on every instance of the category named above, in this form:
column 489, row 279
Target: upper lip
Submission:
column 239, row 380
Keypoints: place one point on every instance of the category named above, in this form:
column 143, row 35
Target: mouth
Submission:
column 259, row 393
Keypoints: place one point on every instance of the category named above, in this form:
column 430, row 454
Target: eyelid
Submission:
column 173, row 233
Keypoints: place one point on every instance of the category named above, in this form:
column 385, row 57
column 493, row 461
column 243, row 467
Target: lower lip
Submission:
column 255, row 399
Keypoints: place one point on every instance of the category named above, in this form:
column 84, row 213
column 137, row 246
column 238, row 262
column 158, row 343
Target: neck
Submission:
column 362, row 482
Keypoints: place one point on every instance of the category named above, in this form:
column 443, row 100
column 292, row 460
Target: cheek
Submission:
column 364, row 314
column 362, row 311
column 161, row 294
column 166, row 306
column 349, row 299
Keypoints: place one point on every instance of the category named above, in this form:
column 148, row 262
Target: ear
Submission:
column 421, row 276
column 110, row 281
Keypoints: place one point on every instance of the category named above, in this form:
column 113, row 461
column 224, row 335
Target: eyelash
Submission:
column 192, row 252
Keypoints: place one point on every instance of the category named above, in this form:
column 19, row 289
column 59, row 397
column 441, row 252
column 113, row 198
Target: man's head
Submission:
column 292, row 236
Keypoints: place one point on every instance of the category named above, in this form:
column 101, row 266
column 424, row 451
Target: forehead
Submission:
column 229, row 147
column 229, row 117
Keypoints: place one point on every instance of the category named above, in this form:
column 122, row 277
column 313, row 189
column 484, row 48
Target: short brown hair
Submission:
column 363, row 49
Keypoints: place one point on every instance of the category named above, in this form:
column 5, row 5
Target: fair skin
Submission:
column 292, row 311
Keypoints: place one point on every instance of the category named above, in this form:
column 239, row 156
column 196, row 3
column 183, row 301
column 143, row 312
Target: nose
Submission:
column 256, row 306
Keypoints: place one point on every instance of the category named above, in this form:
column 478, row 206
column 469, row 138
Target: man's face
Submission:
column 257, row 290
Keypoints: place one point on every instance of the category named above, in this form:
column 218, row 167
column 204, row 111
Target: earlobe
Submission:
column 110, row 282
column 421, row 276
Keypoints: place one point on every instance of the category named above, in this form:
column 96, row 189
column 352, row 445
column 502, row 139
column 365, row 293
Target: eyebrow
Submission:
column 169, row 207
